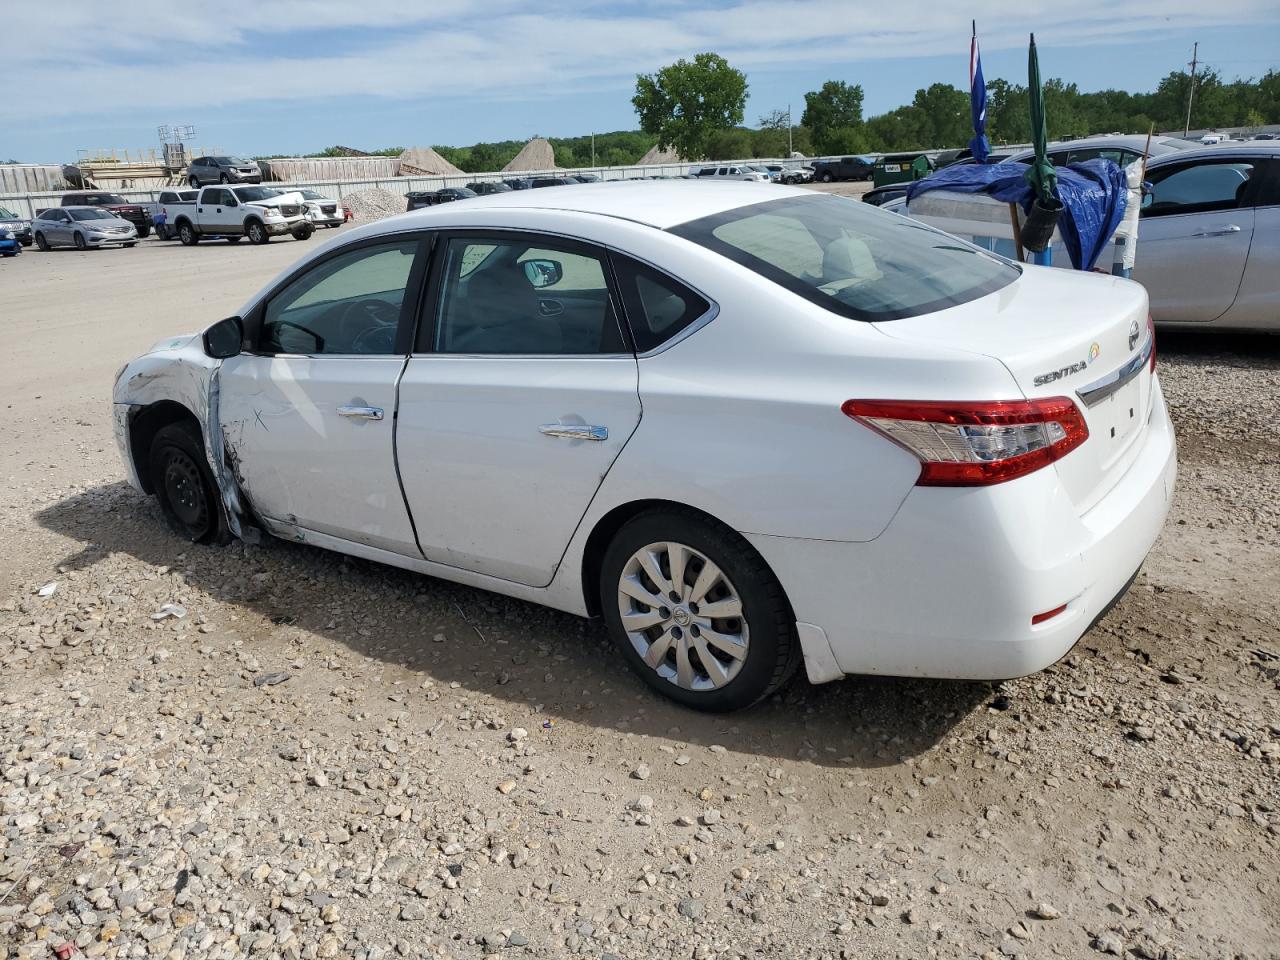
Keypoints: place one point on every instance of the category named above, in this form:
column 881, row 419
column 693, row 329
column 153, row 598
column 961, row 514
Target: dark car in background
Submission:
column 842, row 168
column 206, row 170
column 483, row 188
column 20, row 227
column 587, row 178
column 879, row 196
column 135, row 213
column 519, row 183
column 430, row 198
column 552, row 182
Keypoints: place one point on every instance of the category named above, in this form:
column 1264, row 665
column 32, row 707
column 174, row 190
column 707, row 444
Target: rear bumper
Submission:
column 950, row 587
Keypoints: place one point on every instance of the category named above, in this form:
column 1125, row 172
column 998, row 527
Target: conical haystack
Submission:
column 537, row 154
column 425, row 162
column 655, row 155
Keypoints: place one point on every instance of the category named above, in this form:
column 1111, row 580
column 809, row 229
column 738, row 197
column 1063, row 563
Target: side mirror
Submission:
column 224, row 338
column 543, row 273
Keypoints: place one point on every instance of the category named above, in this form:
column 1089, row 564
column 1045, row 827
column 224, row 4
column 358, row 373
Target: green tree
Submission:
column 834, row 108
column 685, row 103
column 947, row 121
column 732, row 144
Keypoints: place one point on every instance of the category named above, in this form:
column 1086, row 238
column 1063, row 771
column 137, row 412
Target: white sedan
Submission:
column 749, row 431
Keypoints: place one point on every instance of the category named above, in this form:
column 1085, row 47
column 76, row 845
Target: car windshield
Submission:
column 7, row 214
column 464, row 192
column 311, row 195
column 850, row 258
column 250, row 194
column 91, row 215
column 102, row 199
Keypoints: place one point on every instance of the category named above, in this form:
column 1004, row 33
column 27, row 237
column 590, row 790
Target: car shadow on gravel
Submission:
column 530, row 656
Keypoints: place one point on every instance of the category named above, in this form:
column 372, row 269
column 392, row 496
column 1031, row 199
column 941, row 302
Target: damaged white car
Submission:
column 749, row 431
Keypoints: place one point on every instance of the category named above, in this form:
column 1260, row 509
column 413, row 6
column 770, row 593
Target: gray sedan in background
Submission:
column 1209, row 238
column 84, row 228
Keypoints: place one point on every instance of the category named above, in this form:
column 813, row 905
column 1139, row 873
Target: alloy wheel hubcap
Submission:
column 683, row 616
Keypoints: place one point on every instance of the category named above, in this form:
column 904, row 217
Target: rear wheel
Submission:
column 187, row 234
column 256, row 232
column 184, row 484
column 696, row 612
column 41, row 242
column 80, row 242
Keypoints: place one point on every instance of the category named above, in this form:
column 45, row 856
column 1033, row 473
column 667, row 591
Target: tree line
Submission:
column 696, row 107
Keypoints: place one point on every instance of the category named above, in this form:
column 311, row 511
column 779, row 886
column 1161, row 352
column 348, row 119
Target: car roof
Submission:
column 656, row 203
column 83, row 206
column 1250, row 148
column 1137, row 142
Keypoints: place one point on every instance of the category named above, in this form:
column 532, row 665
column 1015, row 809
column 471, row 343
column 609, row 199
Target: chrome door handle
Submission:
column 573, row 431
column 1220, row 232
column 361, row 413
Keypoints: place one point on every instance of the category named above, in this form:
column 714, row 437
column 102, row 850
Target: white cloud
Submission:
column 149, row 55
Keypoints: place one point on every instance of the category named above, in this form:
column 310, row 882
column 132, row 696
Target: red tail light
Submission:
column 1151, row 332
column 1047, row 615
column 976, row 444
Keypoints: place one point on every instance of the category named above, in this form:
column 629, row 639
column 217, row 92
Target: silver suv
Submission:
column 206, row 170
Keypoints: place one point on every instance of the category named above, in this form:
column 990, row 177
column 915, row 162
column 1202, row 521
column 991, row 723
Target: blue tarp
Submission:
column 1093, row 194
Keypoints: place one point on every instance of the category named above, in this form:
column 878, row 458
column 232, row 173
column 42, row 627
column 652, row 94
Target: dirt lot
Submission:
column 443, row 772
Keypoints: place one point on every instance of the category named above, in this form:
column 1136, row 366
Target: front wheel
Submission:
column 132, row 244
column 696, row 611
column 184, row 485
column 224, row 179
column 80, row 241
column 144, row 231
column 41, row 242
column 303, row 231
column 256, row 232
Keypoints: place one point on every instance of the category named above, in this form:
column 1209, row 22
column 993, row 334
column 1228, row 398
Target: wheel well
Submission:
column 180, row 221
column 144, row 426
column 606, row 529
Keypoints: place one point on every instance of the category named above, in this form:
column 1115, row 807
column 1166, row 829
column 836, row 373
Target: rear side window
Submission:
column 658, row 307
column 850, row 258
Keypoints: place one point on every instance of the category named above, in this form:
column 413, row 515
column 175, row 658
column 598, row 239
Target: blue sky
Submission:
column 284, row 76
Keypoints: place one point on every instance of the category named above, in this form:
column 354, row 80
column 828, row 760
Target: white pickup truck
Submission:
column 232, row 212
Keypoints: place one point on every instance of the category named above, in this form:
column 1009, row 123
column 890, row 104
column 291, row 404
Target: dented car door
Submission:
column 308, row 412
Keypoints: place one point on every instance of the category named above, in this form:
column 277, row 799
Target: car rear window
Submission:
column 850, row 258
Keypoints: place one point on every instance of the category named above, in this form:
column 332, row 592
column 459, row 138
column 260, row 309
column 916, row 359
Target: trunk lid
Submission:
column 1063, row 333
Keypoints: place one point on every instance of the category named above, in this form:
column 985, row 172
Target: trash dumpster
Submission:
column 900, row 168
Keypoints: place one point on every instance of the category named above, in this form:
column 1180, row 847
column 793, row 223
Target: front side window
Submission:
column 7, row 214
column 1198, row 187
column 349, row 304
column 523, row 296
column 851, row 259
column 214, row 196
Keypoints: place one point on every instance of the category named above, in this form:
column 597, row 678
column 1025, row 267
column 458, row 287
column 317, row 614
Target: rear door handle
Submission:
column 573, row 431
column 1220, row 232
column 361, row 413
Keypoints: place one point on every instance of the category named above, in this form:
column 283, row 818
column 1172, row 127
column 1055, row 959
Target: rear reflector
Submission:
column 1151, row 332
column 975, row 444
column 1047, row 615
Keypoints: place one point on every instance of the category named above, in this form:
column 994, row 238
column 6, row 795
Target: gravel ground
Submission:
column 276, row 751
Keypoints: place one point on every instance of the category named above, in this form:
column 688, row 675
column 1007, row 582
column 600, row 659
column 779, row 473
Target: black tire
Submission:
column 234, row 239
column 187, row 234
column 184, row 484
column 773, row 650
column 256, row 232
column 827, row 177
column 80, row 241
column 132, row 244
column 303, row 231
column 41, row 242
column 195, row 183
column 144, row 231
column 224, row 179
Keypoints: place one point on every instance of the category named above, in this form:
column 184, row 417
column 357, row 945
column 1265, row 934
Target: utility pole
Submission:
column 593, row 148
column 790, row 149
column 1191, row 92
